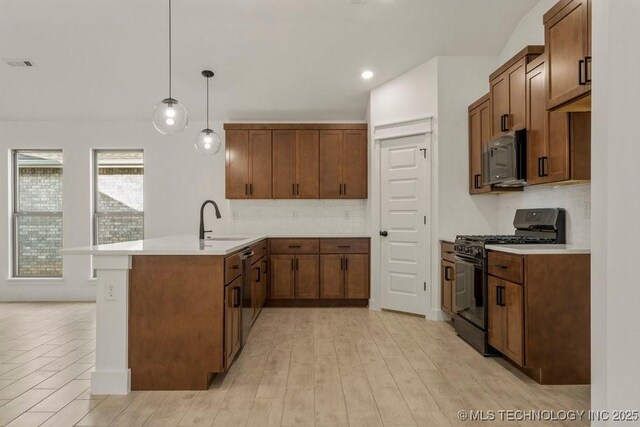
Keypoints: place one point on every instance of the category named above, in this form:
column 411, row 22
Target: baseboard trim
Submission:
column 111, row 382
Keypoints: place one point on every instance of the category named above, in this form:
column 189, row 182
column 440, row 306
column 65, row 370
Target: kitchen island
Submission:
column 172, row 312
column 160, row 315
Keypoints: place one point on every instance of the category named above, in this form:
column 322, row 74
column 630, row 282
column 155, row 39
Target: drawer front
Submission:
column 295, row 246
column 506, row 266
column 259, row 250
column 447, row 252
column 232, row 267
column 344, row 246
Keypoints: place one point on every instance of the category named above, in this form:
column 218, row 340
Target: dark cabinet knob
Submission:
column 384, row 233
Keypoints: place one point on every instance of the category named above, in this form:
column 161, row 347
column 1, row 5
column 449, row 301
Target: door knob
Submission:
column 384, row 233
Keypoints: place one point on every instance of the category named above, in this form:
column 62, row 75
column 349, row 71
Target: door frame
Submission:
column 420, row 126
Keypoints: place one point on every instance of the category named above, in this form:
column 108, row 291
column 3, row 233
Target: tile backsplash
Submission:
column 299, row 216
column 576, row 199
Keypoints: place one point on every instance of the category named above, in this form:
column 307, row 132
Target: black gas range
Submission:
column 533, row 226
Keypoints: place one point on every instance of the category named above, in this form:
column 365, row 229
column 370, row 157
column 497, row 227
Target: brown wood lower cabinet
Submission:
column 232, row 320
column 320, row 269
column 447, row 278
column 539, row 314
column 506, row 318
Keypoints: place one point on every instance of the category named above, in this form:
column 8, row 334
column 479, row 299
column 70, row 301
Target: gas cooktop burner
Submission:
column 507, row 239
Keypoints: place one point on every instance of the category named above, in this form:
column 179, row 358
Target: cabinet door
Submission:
column 514, row 330
column 517, row 102
column 232, row 325
column 256, row 284
column 499, row 103
column 237, row 164
column 282, row 276
column 307, row 283
column 264, row 282
column 331, row 164
column 568, row 45
column 497, row 314
column 479, row 133
column 354, row 164
column 307, row 164
column 284, row 164
column 547, row 134
column 331, row 276
column 356, row 276
column 537, row 118
column 445, row 286
column 260, row 164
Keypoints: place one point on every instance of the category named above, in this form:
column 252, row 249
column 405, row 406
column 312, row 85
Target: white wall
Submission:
column 576, row 199
column 615, row 330
column 529, row 31
column 177, row 181
column 443, row 88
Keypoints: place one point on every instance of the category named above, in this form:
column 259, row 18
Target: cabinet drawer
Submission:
column 344, row 246
column 295, row 246
column 506, row 266
column 232, row 267
column 447, row 252
column 259, row 250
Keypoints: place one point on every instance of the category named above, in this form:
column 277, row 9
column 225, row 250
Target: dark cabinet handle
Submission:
column 235, row 267
column 477, row 180
column 293, row 189
column 504, row 124
column 236, row 297
column 447, row 275
column 498, row 296
column 501, row 267
column 587, row 67
column 545, row 165
column 344, row 246
column 539, row 166
column 294, row 246
column 259, row 273
column 502, row 290
column 246, row 189
column 384, row 233
column 581, row 80
column 291, row 264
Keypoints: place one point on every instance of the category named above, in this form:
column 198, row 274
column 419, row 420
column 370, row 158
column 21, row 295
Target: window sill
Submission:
column 35, row 281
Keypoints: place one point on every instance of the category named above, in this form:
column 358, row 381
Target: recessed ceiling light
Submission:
column 367, row 74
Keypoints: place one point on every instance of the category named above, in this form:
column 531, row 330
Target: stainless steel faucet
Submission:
column 202, row 230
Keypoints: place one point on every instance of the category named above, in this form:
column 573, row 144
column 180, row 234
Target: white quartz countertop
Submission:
column 540, row 249
column 186, row 245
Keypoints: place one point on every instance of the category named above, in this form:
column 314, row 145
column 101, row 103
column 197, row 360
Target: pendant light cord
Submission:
column 169, row 48
column 207, row 102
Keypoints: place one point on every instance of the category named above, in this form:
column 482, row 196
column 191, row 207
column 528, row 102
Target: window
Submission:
column 118, row 196
column 37, row 213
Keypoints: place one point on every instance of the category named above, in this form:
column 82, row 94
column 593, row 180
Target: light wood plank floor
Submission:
column 306, row 367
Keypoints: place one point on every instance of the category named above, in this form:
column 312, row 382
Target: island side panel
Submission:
column 176, row 321
column 558, row 317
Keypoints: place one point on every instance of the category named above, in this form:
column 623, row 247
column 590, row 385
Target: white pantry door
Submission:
column 405, row 195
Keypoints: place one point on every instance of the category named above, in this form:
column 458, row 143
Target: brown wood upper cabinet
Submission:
column 248, row 163
column 343, row 164
column 507, row 92
column 295, row 164
column 567, row 28
column 479, row 133
column 558, row 143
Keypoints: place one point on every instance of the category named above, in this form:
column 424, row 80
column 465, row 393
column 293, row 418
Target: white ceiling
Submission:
column 273, row 59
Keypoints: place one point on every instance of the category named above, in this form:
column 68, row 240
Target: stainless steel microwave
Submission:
column 504, row 160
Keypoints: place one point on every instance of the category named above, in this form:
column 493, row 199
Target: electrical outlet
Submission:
column 110, row 291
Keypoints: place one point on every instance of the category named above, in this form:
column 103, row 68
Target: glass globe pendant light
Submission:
column 207, row 141
column 169, row 116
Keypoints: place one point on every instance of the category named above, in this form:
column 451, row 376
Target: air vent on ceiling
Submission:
column 359, row 2
column 19, row 62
